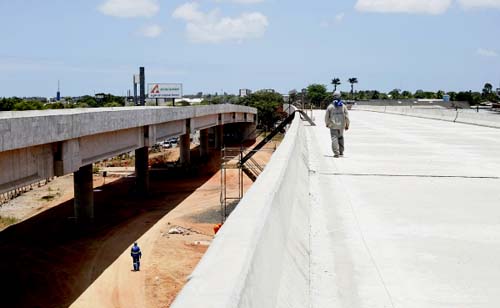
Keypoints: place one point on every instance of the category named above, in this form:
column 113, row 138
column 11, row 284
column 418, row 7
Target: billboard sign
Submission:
column 165, row 90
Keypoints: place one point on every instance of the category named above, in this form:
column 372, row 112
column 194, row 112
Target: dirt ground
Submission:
column 49, row 261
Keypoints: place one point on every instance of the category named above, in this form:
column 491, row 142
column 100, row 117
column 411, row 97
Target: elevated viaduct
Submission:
column 409, row 218
column 36, row 145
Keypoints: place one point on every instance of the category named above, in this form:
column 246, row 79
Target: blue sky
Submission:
column 223, row 45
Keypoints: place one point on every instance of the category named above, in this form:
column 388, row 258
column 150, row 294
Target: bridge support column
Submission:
column 84, row 194
column 249, row 131
column 185, row 143
column 204, row 143
column 142, row 170
column 219, row 136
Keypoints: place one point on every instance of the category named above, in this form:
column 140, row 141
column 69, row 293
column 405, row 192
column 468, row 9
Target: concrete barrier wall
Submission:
column 483, row 119
column 464, row 116
column 260, row 257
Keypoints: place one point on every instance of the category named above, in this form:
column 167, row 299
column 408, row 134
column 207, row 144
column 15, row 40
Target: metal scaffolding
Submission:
column 230, row 159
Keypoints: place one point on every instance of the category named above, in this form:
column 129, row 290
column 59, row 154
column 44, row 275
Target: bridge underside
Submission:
column 408, row 218
column 32, row 163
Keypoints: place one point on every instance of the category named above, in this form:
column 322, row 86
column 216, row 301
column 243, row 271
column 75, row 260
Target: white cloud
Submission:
column 405, row 6
column 475, row 4
column 487, row 52
column 339, row 17
column 325, row 24
column 211, row 27
column 130, row 8
column 150, row 31
column 336, row 20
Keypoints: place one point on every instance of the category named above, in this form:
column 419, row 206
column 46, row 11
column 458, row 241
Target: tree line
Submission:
column 268, row 103
column 87, row 101
column 318, row 95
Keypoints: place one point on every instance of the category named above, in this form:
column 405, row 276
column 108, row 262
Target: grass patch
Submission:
column 48, row 197
column 7, row 221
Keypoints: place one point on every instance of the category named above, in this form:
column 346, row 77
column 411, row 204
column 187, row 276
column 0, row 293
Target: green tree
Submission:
column 453, row 95
column 473, row 98
column 113, row 104
column 56, row 105
column 362, row 95
column 267, row 104
column 352, row 81
column 488, row 94
column 487, row 89
column 335, row 82
column 7, row 104
column 419, row 94
column 406, row 94
column 212, row 100
column 28, row 105
column 87, row 101
column 395, row 94
column 376, row 95
column 316, row 94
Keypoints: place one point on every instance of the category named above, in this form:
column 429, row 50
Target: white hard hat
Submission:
column 336, row 94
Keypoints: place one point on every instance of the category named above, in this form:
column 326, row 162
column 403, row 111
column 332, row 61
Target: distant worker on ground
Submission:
column 337, row 119
column 136, row 254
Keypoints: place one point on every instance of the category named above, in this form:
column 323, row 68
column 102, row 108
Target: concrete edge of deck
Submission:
column 20, row 129
column 261, row 255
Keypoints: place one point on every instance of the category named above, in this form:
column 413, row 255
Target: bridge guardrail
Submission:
column 464, row 116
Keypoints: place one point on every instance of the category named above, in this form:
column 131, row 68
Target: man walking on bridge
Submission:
column 337, row 119
column 136, row 254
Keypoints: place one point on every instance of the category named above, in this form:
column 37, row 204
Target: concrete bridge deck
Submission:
column 409, row 218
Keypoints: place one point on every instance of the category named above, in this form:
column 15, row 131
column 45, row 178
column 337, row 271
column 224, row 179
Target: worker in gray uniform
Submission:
column 337, row 119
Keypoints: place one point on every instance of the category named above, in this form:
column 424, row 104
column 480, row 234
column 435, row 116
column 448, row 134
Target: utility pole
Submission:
column 142, row 87
column 135, row 81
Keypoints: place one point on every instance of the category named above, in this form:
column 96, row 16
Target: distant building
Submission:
column 268, row 90
column 498, row 91
column 245, row 92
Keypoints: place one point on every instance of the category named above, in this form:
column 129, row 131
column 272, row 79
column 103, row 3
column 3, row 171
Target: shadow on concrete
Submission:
column 49, row 261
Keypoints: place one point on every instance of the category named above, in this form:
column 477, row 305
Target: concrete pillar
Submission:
column 84, row 194
column 185, row 143
column 142, row 170
column 204, row 143
column 249, row 131
column 219, row 137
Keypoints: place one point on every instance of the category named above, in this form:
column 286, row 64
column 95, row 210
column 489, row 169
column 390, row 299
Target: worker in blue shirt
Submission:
column 136, row 254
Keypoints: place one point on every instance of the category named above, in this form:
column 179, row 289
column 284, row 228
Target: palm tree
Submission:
column 336, row 82
column 352, row 81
